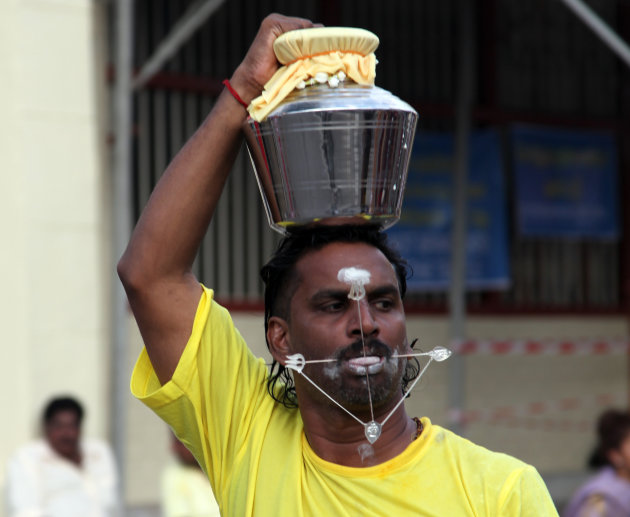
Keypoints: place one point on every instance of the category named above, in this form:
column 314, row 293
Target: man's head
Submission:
column 62, row 426
column 310, row 256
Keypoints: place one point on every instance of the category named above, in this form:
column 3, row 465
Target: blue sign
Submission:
column 423, row 234
column 566, row 183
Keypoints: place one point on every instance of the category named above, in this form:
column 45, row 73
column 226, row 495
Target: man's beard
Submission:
column 351, row 391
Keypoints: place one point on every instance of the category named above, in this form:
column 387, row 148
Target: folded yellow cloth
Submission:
column 306, row 52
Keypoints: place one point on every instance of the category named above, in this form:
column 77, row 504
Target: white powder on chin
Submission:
column 332, row 371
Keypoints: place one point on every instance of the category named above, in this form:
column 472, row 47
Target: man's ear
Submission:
column 278, row 339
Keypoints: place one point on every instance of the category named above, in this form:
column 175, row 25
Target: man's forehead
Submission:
column 326, row 263
column 64, row 416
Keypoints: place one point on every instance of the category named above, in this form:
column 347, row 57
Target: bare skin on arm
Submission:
column 156, row 268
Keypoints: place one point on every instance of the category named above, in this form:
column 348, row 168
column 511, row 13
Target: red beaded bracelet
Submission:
column 227, row 84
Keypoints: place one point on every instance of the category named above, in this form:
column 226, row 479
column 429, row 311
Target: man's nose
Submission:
column 362, row 320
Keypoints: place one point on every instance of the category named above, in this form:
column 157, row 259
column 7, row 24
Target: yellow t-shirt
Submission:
column 259, row 462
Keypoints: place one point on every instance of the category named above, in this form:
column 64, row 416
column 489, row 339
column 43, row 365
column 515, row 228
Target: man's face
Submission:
column 324, row 323
column 63, row 432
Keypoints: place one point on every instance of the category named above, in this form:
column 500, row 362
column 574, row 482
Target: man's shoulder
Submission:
column 475, row 453
column 33, row 448
column 30, row 453
column 484, row 471
column 96, row 446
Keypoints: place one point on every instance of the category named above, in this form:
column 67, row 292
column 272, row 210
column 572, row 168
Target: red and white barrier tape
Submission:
column 542, row 347
column 538, row 413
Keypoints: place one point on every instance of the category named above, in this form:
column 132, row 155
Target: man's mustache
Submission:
column 373, row 346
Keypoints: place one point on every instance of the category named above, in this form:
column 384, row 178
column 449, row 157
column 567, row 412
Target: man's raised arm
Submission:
column 156, row 268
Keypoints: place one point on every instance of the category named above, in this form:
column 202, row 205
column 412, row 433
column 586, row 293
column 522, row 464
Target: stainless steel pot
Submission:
column 333, row 155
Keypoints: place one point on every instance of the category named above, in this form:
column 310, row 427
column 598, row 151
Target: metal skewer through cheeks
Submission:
column 357, row 278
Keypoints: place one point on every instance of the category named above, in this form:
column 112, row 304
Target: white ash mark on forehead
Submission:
column 352, row 275
column 357, row 278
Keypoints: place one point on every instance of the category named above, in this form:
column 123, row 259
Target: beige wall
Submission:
column 54, row 306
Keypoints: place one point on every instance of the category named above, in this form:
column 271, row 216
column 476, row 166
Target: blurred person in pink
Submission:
column 186, row 491
column 607, row 493
column 62, row 474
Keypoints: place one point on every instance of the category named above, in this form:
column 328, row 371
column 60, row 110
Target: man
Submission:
column 62, row 475
column 185, row 488
column 263, row 456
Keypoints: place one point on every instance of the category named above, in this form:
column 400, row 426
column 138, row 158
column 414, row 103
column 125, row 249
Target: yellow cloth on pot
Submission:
column 305, row 52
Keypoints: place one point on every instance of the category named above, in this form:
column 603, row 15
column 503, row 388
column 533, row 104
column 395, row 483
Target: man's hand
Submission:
column 260, row 63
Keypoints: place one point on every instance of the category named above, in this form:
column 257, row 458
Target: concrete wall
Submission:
column 54, row 308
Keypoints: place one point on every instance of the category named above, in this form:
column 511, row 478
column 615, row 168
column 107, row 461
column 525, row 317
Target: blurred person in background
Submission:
column 607, row 493
column 62, row 474
column 186, row 491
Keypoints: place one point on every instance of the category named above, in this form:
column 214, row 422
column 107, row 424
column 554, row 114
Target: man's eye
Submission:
column 383, row 304
column 333, row 306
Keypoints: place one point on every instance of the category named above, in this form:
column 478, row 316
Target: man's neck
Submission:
column 74, row 457
column 338, row 438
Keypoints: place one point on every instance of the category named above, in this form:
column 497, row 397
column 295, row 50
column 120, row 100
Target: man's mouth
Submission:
column 370, row 364
column 362, row 359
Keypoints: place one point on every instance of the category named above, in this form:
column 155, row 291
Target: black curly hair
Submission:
column 62, row 403
column 613, row 427
column 278, row 273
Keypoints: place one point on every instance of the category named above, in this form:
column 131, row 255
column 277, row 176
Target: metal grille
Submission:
column 549, row 61
column 546, row 62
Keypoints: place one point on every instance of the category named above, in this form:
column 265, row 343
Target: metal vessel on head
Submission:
column 326, row 145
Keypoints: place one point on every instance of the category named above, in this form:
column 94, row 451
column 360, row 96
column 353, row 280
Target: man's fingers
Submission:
column 282, row 24
column 260, row 62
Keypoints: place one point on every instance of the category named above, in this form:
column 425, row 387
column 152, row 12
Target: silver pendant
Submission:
column 372, row 431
